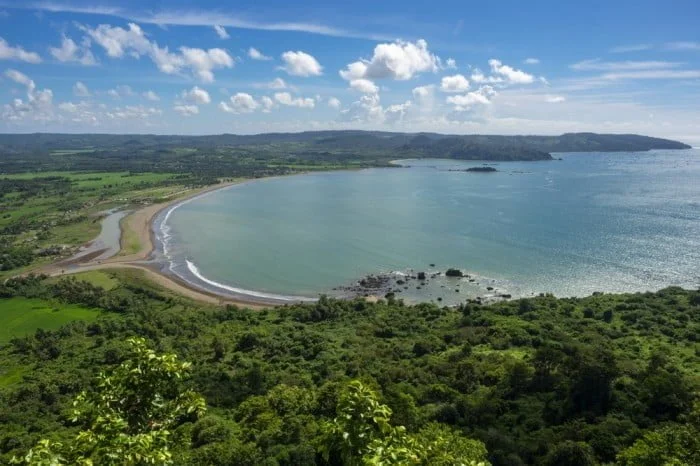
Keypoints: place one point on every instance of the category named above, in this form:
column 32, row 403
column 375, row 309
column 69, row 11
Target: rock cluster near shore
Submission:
column 390, row 285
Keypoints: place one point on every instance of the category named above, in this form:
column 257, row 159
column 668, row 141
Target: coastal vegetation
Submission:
column 598, row 380
column 606, row 379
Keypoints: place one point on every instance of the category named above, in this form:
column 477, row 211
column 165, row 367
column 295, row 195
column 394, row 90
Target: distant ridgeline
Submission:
column 27, row 152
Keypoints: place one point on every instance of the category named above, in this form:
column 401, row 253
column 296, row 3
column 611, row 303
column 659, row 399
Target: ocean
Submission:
column 608, row 222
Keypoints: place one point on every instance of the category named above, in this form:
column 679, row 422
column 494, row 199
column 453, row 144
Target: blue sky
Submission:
column 540, row 67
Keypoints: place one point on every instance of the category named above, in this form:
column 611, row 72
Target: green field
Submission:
column 23, row 316
column 96, row 180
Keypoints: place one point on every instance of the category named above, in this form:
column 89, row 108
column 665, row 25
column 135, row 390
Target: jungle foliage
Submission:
column 578, row 381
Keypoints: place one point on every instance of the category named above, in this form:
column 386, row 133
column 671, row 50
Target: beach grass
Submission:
column 23, row 316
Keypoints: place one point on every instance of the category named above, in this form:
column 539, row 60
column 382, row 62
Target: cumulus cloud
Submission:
column 456, row 83
column 221, row 32
column 133, row 112
column 8, row 52
column 367, row 109
column 554, row 99
column 239, row 103
column 69, row 51
column 285, row 98
column 511, row 75
column 118, row 41
column 532, row 61
column 451, row 64
column 150, row 95
column 398, row 60
column 196, row 95
column 465, row 102
column 277, row 83
column 81, row 90
column 334, row 103
column 186, row 110
column 256, row 54
column 397, row 112
column 301, row 64
column 424, row 96
column 267, row 104
column 39, row 103
column 364, row 85
column 120, row 91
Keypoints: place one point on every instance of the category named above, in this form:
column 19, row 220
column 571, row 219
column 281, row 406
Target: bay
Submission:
column 611, row 222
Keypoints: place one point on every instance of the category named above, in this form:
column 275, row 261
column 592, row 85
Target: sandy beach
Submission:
column 139, row 223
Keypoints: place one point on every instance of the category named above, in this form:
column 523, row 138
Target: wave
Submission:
column 194, row 270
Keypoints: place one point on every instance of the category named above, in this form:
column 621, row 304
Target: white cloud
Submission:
column 277, row 83
column 334, row 103
column 464, row 102
column 511, row 75
column 239, row 103
column 451, row 64
column 285, row 98
column 398, row 60
column 196, row 95
column 20, row 78
column 118, row 41
column 421, row 92
column 81, row 90
column 256, row 54
column 364, row 85
column 120, row 91
column 456, row 83
column 301, row 64
column 532, row 61
column 652, row 74
column 598, row 65
column 133, row 112
column 692, row 46
column 554, row 99
column 630, row 48
column 69, row 51
column 39, row 104
column 186, row 110
column 204, row 61
column 367, row 109
column 221, row 31
column 396, row 113
column 267, row 104
column 150, row 95
column 8, row 52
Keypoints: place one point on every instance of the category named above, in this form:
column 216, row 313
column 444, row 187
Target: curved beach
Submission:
column 141, row 223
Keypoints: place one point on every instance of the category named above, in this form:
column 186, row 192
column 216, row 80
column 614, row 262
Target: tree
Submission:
column 361, row 434
column 671, row 445
column 570, row 453
column 128, row 416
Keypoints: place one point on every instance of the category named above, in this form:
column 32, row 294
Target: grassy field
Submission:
column 96, row 180
column 23, row 316
column 99, row 278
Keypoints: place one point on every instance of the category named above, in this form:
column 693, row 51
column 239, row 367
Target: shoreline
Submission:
column 141, row 222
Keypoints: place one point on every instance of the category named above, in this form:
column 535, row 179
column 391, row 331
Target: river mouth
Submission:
column 591, row 222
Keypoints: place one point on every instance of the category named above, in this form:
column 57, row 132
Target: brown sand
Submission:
column 140, row 222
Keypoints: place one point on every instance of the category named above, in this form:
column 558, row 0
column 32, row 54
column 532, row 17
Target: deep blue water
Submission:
column 590, row 222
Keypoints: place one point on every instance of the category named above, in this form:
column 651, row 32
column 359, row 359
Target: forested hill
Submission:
column 357, row 144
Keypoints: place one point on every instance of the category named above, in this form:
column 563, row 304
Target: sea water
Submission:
column 612, row 222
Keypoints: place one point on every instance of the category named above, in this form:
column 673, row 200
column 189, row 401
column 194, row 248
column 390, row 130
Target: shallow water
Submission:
column 590, row 222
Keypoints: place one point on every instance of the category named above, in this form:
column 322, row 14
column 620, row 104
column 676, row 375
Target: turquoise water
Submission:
column 590, row 222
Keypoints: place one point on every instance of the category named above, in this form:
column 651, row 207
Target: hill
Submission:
column 24, row 152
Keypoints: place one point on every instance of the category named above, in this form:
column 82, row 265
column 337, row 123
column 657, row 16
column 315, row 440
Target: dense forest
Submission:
column 577, row 381
column 258, row 155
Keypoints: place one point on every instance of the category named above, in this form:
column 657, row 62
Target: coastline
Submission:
column 141, row 222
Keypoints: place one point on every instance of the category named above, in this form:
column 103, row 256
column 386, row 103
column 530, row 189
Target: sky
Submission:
column 210, row 67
